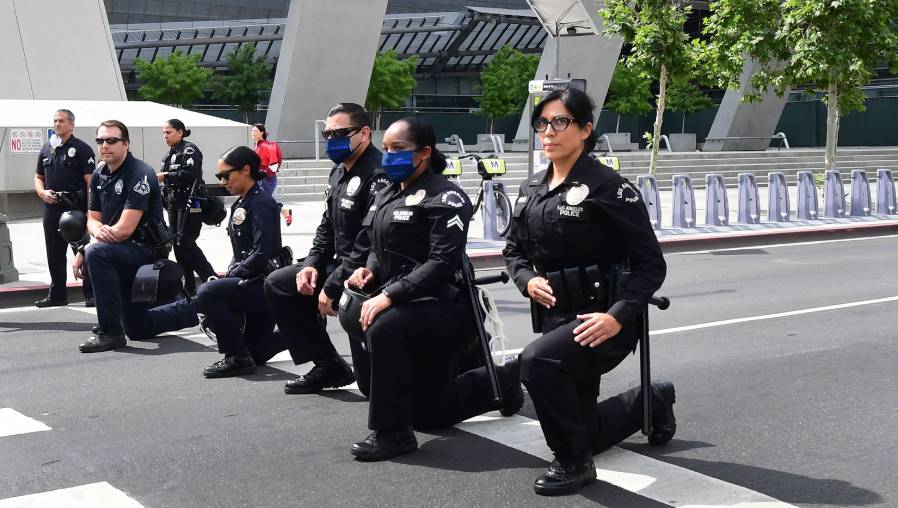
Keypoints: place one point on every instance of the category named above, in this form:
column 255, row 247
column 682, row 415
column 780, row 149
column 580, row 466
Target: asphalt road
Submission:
column 798, row 407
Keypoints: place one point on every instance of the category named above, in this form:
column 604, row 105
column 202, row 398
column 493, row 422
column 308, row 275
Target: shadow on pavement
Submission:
column 478, row 455
column 54, row 326
column 167, row 344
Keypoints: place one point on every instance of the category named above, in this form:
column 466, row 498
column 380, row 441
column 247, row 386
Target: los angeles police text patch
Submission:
column 403, row 215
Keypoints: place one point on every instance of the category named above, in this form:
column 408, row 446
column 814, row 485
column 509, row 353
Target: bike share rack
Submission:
column 777, row 197
column 885, row 195
column 808, row 207
column 493, row 167
column 749, row 203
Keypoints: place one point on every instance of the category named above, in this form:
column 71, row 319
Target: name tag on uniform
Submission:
column 571, row 212
column 347, row 204
column 403, row 215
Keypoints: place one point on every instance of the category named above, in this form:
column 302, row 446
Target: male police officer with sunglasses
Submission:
column 125, row 223
column 302, row 295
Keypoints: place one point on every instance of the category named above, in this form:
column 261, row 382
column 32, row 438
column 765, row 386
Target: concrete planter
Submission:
column 684, row 142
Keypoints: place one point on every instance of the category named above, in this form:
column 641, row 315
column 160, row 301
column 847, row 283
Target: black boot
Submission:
column 103, row 341
column 331, row 373
column 512, row 393
column 230, row 366
column 664, row 424
column 51, row 302
column 382, row 445
column 565, row 477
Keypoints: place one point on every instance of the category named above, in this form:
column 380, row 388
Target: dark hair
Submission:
column 357, row 114
column 68, row 114
column 179, row 126
column 261, row 127
column 239, row 156
column 581, row 107
column 119, row 125
column 422, row 135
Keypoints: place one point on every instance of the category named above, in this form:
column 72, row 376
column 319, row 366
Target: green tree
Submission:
column 176, row 80
column 629, row 94
column 392, row 82
column 684, row 96
column 246, row 80
column 660, row 47
column 503, row 83
column 833, row 45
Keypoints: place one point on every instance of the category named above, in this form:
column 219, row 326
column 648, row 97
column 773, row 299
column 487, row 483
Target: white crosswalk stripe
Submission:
column 13, row 423
column 84, row 496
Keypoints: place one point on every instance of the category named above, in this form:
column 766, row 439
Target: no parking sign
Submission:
column 26, row 140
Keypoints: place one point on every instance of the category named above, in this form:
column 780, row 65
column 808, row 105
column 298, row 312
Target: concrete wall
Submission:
column 57, row 49
column 326, row 57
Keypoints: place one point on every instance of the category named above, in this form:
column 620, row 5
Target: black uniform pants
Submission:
column 187, row 252
column 226, row 303
column 56, row 255
column 414, row 348
column 303, row 330
column 563, row 380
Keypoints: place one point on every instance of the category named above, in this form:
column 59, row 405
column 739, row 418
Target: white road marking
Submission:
column 84, row 496
column 779, row 245
column 13, row 423
column 666, row 483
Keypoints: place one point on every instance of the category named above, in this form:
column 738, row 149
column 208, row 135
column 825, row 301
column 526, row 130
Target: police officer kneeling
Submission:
column 416, row 232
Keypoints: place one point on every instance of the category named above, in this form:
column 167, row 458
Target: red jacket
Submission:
column 271, row 155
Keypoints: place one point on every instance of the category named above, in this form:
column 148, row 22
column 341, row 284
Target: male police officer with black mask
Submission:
column 302, row 295
column 125, row 221
column 64, row 169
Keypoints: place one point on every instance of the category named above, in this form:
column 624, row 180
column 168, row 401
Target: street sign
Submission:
column 26, row 140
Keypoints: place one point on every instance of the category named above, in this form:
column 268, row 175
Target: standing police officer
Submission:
column 125, row 220
column 182, row 174
column 302, row 295
column 65, row 164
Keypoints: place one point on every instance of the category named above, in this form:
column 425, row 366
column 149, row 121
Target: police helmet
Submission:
column 350, row 311
column 157, row 283
column 73, row 227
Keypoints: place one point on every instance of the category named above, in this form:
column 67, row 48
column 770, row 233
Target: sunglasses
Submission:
column 108, row 141
column 225, row 175
column 559, row 123
column 340, row 133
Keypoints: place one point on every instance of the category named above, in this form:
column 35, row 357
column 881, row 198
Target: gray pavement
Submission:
column 783, row 358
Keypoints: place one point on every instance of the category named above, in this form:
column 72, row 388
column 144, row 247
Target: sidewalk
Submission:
column 30, row 257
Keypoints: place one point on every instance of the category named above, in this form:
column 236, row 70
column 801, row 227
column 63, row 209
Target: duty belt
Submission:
column 577, row 287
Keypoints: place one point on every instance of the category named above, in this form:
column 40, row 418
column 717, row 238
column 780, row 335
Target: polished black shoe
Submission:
column 102, row 341
column 48, row 302
column 512, row 393
column 90, row 302
column 664, row 424
column 565, row 477
column 230, row 366
column 333, row 373
column 381, row 445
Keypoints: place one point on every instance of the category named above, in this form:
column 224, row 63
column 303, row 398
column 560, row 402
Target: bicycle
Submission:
column 488, row 168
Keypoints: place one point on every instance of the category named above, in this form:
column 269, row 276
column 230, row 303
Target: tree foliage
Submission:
column 392, row 82
column 176, row 80
column 504, row 83
column 661, row 49
column 832, row 45
column 629, row 93
column 684, row 96
column 247, row 79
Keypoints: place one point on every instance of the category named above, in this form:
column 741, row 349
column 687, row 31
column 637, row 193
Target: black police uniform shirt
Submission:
column 255, row 232
column 64, row 167
column 133, row 187
column 348, row 197
column 594, row 217
column 184, row 156
column 418, row 236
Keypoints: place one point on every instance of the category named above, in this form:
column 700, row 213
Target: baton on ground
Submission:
column 645, row 363
column 471, row 284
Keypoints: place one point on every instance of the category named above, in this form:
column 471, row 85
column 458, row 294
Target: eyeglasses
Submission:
column 108, row 141
column 340, row 133
column 225, row 175
column 559, row 123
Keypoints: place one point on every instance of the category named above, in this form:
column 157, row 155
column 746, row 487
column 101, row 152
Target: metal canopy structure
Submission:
column 563, row 18
column 446, row 44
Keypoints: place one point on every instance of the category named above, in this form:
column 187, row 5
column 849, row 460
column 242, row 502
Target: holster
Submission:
column 577, row 290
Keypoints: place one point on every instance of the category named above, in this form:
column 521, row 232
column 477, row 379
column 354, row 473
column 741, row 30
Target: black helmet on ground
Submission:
column 158, row 283
column 73, row 227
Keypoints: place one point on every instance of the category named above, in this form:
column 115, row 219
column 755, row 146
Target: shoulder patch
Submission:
column 627, row 192
column 142, row 187
column 452, row 198
column 189, row 150
column 378, row 183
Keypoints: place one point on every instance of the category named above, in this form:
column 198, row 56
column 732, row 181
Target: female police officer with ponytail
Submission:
column 416, row 231
column 577, row 227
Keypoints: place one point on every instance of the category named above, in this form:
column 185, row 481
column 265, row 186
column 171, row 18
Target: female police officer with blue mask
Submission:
column 575, row 225
column 415, row 235
column 235, row 304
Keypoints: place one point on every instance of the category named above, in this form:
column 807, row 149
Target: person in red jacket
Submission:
column 272, row 157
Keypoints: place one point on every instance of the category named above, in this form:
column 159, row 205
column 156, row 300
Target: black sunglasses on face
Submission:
column 340, row 133
column 108, row 141
column 225, row 175
column 559, row 123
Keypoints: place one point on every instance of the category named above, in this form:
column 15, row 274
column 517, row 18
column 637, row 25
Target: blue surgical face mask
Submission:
column 399, row 166
column 338, row 149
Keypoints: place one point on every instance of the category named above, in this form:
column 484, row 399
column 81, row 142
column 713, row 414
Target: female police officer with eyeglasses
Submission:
column 577, row 227
column 417, row 231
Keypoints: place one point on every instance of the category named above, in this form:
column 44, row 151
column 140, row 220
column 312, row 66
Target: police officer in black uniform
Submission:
column 65, row 164
column 182, row 175
column 578, row 228
column 302, row 295
column 415, row 326
column 235, row 304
